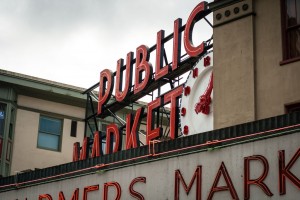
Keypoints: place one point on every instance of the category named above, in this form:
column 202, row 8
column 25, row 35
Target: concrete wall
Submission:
column 234, row 74
column 160, row 175
column 26, row 155
column 249, row 83
column 276, row 86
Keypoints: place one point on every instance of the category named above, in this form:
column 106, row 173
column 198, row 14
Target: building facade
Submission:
column 254, row 77
column 253, row 150
column 40, row 121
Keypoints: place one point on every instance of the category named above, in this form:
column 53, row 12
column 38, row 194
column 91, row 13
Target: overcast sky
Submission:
column 71, row 41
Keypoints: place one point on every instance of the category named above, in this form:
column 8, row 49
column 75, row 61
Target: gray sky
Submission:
column 71, row 41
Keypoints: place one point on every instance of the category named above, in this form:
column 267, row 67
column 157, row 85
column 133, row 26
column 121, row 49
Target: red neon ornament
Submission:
column 195, row 72
column 206, row 61
column 183, row 111
column 205, row 100
column 185, row 130
column 187, row 90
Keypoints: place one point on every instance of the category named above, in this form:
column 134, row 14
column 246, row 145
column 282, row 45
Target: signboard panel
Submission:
column 254, row 170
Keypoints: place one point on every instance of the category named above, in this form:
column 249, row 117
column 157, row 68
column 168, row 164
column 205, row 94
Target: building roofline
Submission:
column 42, row 88
column 41, row 80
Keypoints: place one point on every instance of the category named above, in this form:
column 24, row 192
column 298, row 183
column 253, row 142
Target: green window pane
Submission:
column 48, row 141
column 50, row 130
column 50, row 125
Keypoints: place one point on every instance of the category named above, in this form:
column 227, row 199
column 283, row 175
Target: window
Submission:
column 50, row 130
column 2, row 124
column 73, row 129
column 2, row 119
column 291, row 30
column 292, row 108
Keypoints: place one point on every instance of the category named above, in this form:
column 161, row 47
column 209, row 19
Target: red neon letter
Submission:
column 89, row 189
column 111, row 130
column 160, row 71
column 284, row 171
column 76, row 151
column 152, row 133
column 45, row 196
column 106, row 86
column 142, row 65
column 120, row 96
column 114, row 184
column 176, row 43
column 229, row 186
column 178, row 178
column 84, row 149
column 97, row 145
column 84, row 152
column 188, row 32
column 259, row 181
column 134, row 193
column 172, row 97
column 132, row 127
column 75, row 196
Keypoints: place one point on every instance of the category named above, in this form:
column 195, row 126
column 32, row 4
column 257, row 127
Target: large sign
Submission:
column 264, row 169
column 139, row 81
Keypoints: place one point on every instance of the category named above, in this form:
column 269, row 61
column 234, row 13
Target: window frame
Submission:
column 294, row 107
column 73, row 131
column 60, row 136
column 284, row 30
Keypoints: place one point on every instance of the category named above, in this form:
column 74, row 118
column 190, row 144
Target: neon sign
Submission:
column 254, row 180
column 141, row 79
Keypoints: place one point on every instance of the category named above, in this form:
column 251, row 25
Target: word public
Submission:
column 142, row 78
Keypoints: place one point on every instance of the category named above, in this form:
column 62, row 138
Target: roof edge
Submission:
column 40, row 80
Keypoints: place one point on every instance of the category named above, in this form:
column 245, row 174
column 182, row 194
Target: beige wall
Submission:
column 26, row 155
column 249, row 82
column 276, row 85
column 233, row 72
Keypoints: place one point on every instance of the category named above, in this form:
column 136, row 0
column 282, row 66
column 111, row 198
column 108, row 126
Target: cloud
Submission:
column 52, row 38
